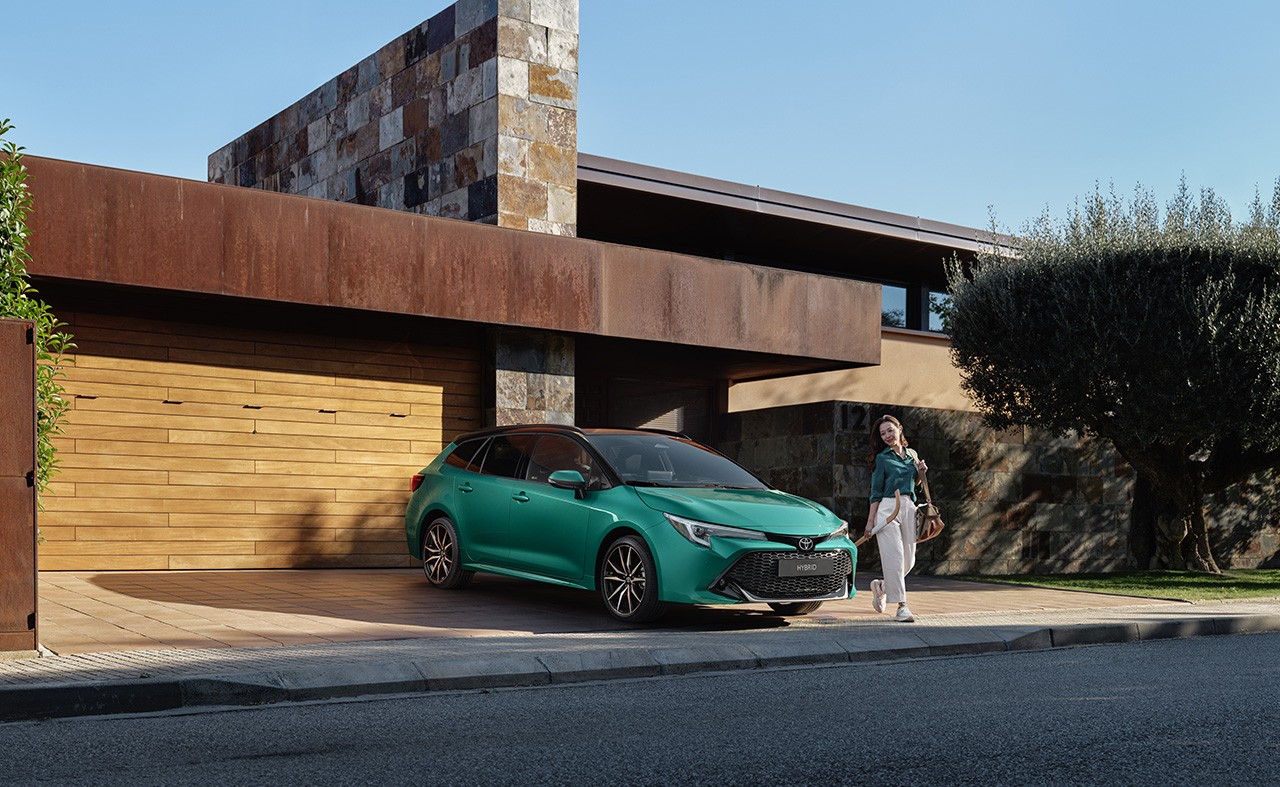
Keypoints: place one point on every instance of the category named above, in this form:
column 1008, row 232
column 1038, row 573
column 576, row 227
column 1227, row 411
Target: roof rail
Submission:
column 517, row 428
column 490, row 430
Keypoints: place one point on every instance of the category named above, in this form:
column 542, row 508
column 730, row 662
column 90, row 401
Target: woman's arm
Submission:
column 877, row 492
column 871, row 518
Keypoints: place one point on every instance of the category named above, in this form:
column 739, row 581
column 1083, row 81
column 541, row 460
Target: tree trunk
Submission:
column 1196, row 548
column 1167, row 526
column 1182, row 533
column 1142, row 525
column 1170, row 532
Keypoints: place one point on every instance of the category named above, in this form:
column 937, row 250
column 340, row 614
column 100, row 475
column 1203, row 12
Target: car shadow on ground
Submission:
column 212, row 608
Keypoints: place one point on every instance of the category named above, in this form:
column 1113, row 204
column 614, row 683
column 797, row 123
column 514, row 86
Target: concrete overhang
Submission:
column 100, row 225
column 770, row 202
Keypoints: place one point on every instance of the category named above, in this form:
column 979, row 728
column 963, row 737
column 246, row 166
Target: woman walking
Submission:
column 893, row 513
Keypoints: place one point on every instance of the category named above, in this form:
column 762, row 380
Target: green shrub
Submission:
column 18, row 300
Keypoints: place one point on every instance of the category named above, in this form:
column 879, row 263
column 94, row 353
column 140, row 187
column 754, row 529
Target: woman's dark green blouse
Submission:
column 893, row 473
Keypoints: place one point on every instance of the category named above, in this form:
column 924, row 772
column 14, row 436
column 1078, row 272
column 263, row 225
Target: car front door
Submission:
column 549, row 525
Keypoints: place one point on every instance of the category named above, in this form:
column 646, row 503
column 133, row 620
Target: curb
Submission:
column 513, row 670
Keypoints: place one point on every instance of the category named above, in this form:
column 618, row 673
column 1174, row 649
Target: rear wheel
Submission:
column 629, row 581
column 442, row 556
column 795, row 607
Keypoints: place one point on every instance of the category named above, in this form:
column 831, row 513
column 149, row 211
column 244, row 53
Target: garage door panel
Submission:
column 285, row 450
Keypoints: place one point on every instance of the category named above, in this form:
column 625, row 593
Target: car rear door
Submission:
column 485, row 498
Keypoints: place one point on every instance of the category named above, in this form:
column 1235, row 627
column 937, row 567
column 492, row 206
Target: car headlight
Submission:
column 840, row 532
column 700, row 533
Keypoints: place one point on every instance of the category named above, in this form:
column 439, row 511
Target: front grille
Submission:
column 757, row 573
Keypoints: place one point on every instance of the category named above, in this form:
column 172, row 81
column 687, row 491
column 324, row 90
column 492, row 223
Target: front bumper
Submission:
column 755, row 577
column 733, row 571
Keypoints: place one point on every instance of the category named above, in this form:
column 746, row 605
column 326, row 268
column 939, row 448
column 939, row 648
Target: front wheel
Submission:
column 795, row 607
column 442, row 556
column 629, row 582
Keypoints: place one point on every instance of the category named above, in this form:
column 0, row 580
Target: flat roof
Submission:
column 757, row 199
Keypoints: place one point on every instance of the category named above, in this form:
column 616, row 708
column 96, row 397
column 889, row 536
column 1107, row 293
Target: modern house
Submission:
column 417, row 248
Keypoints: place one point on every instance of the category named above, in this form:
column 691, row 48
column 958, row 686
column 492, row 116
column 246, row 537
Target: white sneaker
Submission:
column 877, row 595
column 904, row 615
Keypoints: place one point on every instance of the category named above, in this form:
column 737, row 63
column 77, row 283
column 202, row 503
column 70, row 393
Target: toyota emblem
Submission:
column 806, row 544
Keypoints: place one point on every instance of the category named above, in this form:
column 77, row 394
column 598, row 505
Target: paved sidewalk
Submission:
column 512, row 633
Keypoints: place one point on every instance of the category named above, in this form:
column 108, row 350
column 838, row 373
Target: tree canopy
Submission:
column 1159, row 331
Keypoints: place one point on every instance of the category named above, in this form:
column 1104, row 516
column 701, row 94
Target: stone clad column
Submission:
column 538, row 115
column 472, row 115
column 533, row 375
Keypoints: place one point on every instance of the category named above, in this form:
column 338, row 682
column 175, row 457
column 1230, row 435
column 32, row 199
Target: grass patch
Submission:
column 1182, row 585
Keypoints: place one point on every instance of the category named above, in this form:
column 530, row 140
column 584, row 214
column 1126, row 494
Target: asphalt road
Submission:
column 1167, row 712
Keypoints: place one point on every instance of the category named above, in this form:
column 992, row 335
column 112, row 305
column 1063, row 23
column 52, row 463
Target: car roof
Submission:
column 561, row 429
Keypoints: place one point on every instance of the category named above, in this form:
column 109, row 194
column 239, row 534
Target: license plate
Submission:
column 817, row 565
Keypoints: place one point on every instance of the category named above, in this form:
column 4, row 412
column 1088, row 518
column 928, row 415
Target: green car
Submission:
column 644, row 517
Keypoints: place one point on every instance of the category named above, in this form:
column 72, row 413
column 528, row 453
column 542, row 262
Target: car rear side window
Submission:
column 466, row 455
column 506, row 455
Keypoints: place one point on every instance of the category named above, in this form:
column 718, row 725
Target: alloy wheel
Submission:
column 624, row 579
column 438, row 552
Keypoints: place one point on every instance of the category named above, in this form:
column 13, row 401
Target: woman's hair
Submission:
column 878, row 445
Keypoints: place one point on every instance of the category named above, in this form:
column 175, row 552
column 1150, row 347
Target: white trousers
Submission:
column 897, row 544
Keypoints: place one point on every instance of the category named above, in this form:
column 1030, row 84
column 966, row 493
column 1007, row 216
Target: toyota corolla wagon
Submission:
column 644, row 517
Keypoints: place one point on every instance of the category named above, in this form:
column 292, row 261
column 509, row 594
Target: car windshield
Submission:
column 659, row 460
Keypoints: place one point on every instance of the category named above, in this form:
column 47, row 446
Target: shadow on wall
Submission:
column 214, row 446
column 1014, row 502
column 1244, row 521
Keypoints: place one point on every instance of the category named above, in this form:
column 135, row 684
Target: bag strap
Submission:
column 924, row 480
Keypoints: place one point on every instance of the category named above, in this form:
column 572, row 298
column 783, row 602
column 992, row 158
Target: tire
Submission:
column 442, row 555
column 629, row 581
column 796, row 607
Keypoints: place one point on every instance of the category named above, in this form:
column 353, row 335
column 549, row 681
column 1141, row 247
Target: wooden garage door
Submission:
column 191, row 446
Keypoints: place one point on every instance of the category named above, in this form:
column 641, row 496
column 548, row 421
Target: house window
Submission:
column 938, row 303
column 893, row 306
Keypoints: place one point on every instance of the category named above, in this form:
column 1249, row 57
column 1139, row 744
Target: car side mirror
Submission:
column 569, row 479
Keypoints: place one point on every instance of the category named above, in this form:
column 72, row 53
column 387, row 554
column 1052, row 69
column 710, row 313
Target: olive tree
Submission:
column 18, row 300
column 1157, row 331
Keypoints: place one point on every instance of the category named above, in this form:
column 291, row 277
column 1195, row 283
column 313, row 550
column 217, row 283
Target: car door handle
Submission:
column 466, row 487
column 520, row 497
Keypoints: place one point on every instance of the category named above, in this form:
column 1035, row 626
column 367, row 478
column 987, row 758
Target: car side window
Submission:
column 555, row 452
column 466, row 456
column 506, row 455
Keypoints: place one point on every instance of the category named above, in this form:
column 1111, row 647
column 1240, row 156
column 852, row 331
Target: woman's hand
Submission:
column 921, row 467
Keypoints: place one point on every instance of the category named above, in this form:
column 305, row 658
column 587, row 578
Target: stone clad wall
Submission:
column 470, row 115
column 1014, row 502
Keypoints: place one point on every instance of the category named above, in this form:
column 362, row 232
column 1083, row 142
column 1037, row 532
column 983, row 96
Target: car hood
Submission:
column 756, row 509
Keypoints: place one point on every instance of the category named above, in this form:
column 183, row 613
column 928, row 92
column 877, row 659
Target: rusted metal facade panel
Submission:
column 693, row 300
column 17, row 487
column 102, row 225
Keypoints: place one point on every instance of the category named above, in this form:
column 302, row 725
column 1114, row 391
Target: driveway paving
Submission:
column 95, row 612
column 127, row 642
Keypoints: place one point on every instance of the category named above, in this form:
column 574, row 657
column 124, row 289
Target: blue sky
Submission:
column 933, row 109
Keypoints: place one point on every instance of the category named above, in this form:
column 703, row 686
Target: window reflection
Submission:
column 893, row 306
column 939, row 302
